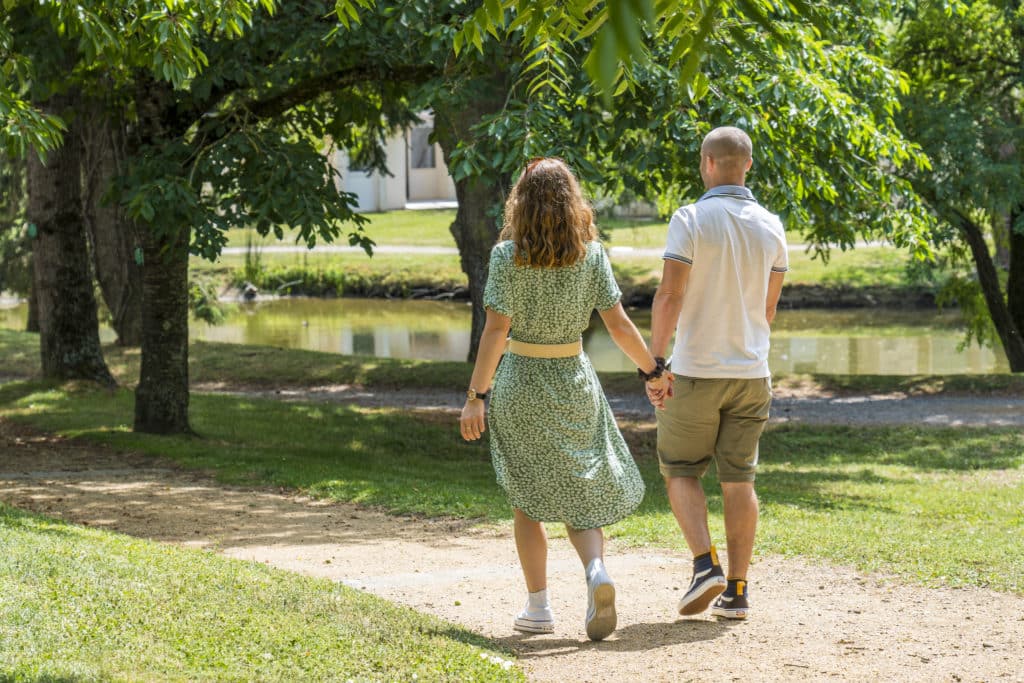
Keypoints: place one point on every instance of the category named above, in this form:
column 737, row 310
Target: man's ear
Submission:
column 750, row 162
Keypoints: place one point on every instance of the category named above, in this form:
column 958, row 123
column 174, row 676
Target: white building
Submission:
column 420, row 175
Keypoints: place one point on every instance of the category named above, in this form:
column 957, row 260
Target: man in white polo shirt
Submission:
column 723, row 270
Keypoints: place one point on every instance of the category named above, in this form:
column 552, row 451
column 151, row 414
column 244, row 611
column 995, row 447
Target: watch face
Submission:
column 470, row 394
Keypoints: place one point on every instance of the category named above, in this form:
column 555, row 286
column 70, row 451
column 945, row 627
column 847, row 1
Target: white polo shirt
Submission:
column 732, row 245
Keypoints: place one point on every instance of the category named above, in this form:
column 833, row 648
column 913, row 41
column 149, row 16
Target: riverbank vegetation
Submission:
column 81, row 604
column 869, row 275
column 935, row 506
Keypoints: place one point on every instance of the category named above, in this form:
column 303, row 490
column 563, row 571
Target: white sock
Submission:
column 594, row 567
column 538, row 600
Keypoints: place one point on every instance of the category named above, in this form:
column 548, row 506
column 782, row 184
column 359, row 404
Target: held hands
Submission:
column 659, row 389
column 472, row 422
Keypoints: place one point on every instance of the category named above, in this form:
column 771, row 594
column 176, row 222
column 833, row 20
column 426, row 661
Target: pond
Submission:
column 848, row 341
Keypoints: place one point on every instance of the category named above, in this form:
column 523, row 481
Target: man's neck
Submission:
column 739, row 182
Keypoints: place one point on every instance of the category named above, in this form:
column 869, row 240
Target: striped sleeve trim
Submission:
column 677, row 257
column 777, row 269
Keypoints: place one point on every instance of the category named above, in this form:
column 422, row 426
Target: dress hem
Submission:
column 601, row 523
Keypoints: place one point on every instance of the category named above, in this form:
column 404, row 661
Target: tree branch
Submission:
column 308, row 90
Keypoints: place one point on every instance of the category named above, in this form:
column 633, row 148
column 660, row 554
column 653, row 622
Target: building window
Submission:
column 421, row 151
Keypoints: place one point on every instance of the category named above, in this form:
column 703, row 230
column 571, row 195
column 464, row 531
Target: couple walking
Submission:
column 556, row 449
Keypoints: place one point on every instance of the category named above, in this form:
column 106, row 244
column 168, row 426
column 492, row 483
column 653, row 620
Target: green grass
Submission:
column 383, row 276
column 421, row 227
column 860, row 267
column 80, row 604
column 431, row 228
column 938, row 506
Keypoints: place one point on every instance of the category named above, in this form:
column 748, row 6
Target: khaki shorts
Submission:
column 713, row 418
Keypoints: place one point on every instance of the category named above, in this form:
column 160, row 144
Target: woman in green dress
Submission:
column 556, row 449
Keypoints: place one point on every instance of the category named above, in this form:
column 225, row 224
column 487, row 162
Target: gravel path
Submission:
column 810, row 621
column 787, row 406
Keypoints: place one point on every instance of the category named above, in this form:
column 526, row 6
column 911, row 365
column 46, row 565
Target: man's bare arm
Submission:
column 668, row 302
column 774, row 291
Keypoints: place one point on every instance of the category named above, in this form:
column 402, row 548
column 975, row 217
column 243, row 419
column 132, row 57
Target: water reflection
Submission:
column 857, row 341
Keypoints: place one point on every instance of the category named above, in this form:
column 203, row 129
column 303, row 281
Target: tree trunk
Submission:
column 1015, row 283
column 114, row 237
column 988, row 278
column 1002, row 229
column 69, row 331
column 162, row 397
column 32, row 325
column 477, row 220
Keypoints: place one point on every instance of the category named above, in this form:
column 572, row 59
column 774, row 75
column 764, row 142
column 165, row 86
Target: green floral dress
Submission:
column 556, row 449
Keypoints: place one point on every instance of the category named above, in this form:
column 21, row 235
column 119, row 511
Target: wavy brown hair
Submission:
column 547, row 216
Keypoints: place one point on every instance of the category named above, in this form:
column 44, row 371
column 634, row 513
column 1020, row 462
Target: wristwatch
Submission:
column 473, row 395
column 659, row 369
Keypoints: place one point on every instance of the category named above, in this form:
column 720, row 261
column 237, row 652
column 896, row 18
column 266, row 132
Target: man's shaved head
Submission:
column 725, row 157
column 729, row 147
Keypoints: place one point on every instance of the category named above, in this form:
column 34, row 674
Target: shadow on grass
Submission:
column 412, row 463
column 958, row 449
column 12, row 392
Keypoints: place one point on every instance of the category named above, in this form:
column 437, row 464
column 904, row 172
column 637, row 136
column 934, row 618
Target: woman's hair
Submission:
column 547, row 217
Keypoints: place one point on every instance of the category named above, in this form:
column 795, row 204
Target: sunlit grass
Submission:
column 80, row 604
column 940, row 506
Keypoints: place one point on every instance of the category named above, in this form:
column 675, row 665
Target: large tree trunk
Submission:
column 988, row 278
column 477, row 221
column 1015, row 283
column 162, row 397
column 62, row 280
column 114, row 237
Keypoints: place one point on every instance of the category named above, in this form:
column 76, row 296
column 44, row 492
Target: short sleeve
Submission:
column 781, row 262
column 607, row 292
column 679, row 244
column 498, row 290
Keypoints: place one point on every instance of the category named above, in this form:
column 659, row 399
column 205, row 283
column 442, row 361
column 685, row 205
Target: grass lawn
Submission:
column 427, row 227
column 79, row 604
column 430, row 228
column 937, row 506
column 864, row 266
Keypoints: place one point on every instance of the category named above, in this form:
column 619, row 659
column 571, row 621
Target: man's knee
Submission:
column 738, row 489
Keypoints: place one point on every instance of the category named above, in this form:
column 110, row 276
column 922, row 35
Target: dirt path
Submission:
column 788, row 405
column 811, row 622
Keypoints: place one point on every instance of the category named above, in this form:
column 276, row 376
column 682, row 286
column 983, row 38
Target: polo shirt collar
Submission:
column 734, row 191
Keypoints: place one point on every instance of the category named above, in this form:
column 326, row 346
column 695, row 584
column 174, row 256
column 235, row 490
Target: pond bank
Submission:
column 329, row 283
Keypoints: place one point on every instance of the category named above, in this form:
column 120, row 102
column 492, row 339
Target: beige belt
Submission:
column 545, row 350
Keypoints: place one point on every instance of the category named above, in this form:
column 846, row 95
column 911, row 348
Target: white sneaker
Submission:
column 601, row 617
column 535, row 620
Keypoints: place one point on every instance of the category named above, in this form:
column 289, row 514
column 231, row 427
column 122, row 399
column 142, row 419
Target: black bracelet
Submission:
column 658, row 371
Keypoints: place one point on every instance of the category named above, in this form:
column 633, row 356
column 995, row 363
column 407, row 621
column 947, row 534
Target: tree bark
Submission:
column 62, row 280
column 114, row 237
column 478, row 218
column 988, row 278
column 1015, row 282
column 162, row 397
column 32, row 325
